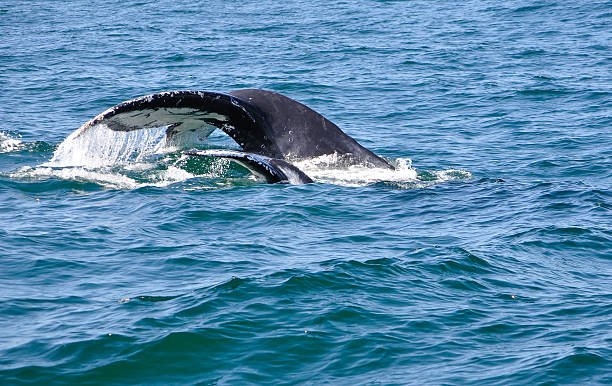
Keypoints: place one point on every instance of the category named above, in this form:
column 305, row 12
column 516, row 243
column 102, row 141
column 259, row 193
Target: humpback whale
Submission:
column 273, row 130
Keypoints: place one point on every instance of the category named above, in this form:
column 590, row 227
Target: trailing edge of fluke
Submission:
column 272, row 129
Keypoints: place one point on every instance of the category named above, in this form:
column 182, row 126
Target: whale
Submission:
column 273, row 130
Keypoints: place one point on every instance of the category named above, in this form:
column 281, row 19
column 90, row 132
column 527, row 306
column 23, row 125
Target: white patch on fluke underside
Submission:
column 181, row 118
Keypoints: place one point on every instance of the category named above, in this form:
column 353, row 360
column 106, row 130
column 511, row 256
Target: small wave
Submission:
column 543, row 92
column 531, row 8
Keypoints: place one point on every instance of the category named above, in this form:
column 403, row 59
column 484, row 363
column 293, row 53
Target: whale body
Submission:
column 273, row 130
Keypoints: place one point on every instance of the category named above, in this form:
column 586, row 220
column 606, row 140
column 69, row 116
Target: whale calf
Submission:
column 273, row 130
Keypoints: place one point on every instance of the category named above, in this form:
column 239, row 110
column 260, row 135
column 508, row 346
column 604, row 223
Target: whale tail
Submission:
column 261, row 122
column 264, row 123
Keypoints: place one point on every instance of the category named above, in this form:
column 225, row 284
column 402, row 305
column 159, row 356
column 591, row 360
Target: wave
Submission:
column 351, row 318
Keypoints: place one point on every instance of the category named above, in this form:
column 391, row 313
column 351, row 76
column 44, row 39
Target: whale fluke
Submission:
column 261, row 122
column 299, row 132
column 274, row 170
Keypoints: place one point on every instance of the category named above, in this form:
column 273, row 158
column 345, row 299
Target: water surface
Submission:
column 488, row 262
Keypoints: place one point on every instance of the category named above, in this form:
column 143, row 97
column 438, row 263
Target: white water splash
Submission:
column 109, row 177
column 321, row 169
column 8, row 143
column 134, row 159
column 100, row 146
column 102, row 177
column 452, row 175
column 114, row 159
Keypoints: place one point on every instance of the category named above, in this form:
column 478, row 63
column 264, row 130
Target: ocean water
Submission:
column 485, row 258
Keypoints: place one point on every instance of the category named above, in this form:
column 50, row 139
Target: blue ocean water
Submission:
column 492, row 264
